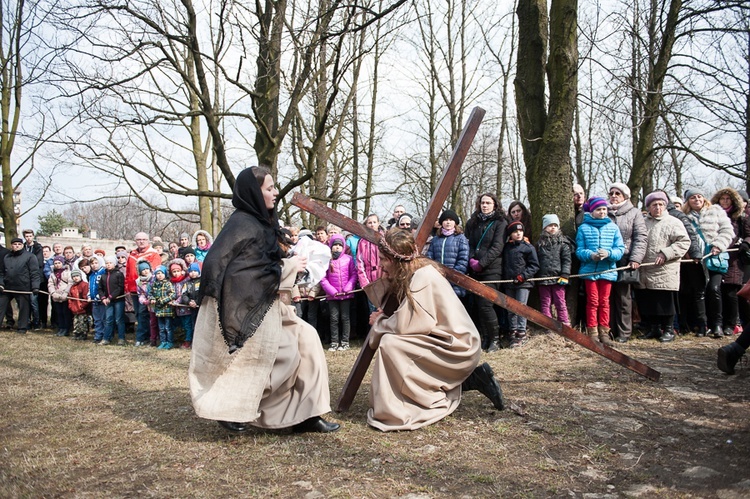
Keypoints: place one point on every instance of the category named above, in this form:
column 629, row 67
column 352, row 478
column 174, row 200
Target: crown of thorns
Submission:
column 383, row 245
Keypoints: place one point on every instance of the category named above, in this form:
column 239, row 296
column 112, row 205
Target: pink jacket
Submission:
column 368, row 262
column 340, row 278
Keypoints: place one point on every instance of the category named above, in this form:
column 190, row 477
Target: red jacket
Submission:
column 131, row 269
column 80, row 290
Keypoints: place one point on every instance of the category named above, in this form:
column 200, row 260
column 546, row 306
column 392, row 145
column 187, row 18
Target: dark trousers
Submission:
column 64, row 315
column 43, row 301
column 621, row 310
column 485, row 318
column 24, row 308
column 713, row 300
column 340, row 325
column 692, row 294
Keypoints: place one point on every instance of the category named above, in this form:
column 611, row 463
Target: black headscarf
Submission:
column 243, row 269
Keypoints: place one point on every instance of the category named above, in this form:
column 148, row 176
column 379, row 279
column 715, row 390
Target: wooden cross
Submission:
column 366, row 353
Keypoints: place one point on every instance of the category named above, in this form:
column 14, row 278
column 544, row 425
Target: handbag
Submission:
column 717, row 263
column 629, row 276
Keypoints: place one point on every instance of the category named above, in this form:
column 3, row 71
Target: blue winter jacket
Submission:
column 94, row 279
column 453, row 252
column 595, row 233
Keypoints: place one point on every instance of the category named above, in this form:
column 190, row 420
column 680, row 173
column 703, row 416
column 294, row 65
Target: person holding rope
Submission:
column 428, row 347
column 19, row 278
column 599, row 248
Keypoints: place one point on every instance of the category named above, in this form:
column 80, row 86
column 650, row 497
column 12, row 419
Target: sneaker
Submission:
column 333, row 347
column 187, row 345
column 168, row 345
column 121, row 343
column 140, row 344
column 103, row 343
column 161, row 345
column 343, row 347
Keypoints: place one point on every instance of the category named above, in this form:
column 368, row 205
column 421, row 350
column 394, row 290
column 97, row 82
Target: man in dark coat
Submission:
column 20, row 278
column 35, row 249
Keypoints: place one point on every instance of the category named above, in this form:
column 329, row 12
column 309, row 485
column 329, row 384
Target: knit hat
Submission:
column 415, row 222
column 184, row 235
column 99, row 252
column 162, row 269
column 305, row 233
column 110, row 259
column 594, row 203
column 75, row 272
column 336, row 239
column 622, row 188
column 512, row 227
column 179, row 262
column 16, row 240
column 58, row 258
column 449, row 215
column 188, row 250
column 655, row 196
column 405, row 215
column 548, row 219
column 676, row 199
column 194, row 267
column 121, row 253
column 692, row 192
column 143, row 264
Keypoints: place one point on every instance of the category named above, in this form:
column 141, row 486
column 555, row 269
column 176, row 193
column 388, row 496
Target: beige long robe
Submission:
column 278, row 379
column 424, row 354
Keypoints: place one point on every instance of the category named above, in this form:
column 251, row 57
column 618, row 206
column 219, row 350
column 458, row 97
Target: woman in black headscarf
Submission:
column 254, row 362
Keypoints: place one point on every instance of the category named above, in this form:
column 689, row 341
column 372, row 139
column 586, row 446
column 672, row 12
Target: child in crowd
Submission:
column 520, row 263
column 450, row 247
column 368, row 258
column 599, row 247
column 79, row 305
column 160, row 296
column 112, row 293
column 555, row 257
column 191, row 295
column 189, row 257
column 145, row 278
column 183, row 319
column 98, row 309
column 338, row 285
column 58, row 286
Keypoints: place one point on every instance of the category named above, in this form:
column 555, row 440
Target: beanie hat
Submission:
column 622, row 188
column 162, row 269
column 336, row 239
column 179, row 262
column 449, row 215
column 188, row 250
column 655, row 196
column 99, row 252
column 58, row 258
column 676, row 199
column 512, row 227
column 110, row 259
column 692, row 192
column 143, row 264
column 121, row 253
column 305, row 233
column 415, row 223
column 75, row 272
column 16, row 240
column 594, row 203
column 405, row 215
column 184, row 235
column 548, row 219
column 194, row 267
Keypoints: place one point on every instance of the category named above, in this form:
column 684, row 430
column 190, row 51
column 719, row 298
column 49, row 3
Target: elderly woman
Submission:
column 715, row 230
column 666, row 243
column 254, row 362
column 428, row 347
column 630, row 222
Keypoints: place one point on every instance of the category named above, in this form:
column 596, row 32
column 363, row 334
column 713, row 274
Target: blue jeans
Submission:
column 114, row 314
column 517, row 322
column 98, row 312
column 186, row 323
column 165, row 329
column 143, row 328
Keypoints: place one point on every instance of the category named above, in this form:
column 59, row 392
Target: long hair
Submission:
column 399, row 247
column 478, row 203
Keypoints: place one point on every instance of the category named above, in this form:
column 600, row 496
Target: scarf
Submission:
column 447, row 233
column 245, row 251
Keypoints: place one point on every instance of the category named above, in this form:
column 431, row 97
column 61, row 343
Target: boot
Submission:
column 728, row 356
column 654, row 332
column 483, row 379
column 592, row 332
column 604, row 336
column 667, row 335
column 701, row 332
column 494, row 345
column 519, row 338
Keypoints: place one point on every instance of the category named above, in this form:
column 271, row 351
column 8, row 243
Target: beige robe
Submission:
column 278, row 379
column 424, row 354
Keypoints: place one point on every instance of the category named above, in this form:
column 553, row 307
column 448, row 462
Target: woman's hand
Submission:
column 374, row 316
column 715, row 251
column 660, row 259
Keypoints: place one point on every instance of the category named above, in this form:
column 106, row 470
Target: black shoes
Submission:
column 728, row 356
column 483, row 380
column 233, row 427
column 666, row 337
column 315, row 425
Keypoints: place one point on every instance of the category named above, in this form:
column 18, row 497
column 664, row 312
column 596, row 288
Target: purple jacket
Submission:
column 340, row 278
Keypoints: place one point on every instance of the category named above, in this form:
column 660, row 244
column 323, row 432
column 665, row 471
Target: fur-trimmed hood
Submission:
column 209, row 239
column 736, row 201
